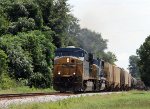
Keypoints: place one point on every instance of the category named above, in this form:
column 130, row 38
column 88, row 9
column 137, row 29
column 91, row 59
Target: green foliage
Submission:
column 22, row 25
column 133, row 67
column 6, row 82
column 25, row 89
column 55, row 15
column 15, row 11
column 108, row 57
column 144, row 55
column 20, row 63
column 3, row 25
column 73, row 33
column 29, row 57
column 27, row 15
column 30, row 52
column 3, row 62
column 91, row 41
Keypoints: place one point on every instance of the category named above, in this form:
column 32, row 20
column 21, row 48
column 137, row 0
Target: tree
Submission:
column 22, row 25
column 108, row 57
column 30, row 30
column 59, row 22
column 73, row 32
column 27, row 15
column 144, row 55
column 20, row 62
column 133, row 66
column 91, row 41
column 30, row 57
column 3, row 62
column 41, row 51
column 3, row 25
column 5, row 80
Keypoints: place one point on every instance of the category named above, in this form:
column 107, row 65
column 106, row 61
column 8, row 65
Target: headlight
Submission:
column 68, row 60
column 59, row 73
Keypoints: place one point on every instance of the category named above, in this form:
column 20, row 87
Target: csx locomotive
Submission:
column 76, row 70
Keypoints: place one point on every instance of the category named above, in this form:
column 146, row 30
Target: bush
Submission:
column 30, row 57
column 3, row 62
column 6, row 82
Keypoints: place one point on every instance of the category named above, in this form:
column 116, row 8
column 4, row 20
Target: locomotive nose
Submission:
column 68, row 70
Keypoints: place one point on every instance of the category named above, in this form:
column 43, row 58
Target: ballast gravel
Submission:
column 4, row 103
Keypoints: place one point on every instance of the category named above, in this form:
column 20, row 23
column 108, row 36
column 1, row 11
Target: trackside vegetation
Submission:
column 144, row 60
column 125, row 100
column 25, row 89
column 139, row 65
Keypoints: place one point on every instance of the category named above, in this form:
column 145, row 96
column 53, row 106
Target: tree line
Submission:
column 30, row 32
column 140, row 63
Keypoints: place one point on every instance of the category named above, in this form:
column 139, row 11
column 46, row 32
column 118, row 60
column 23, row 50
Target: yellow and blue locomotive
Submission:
column 76, row 70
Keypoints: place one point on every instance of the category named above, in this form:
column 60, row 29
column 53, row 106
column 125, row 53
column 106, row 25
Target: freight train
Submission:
column 76, row 70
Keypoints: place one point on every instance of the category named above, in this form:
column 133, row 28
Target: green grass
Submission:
column 129, row 100
column 24, row 89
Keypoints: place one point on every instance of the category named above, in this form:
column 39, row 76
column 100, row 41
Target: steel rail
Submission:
column 32, row 94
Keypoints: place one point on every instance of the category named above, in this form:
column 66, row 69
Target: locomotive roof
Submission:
column 70, row 50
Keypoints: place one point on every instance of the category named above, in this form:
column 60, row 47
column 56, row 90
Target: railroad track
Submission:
column 3, row 96
column 24, row 95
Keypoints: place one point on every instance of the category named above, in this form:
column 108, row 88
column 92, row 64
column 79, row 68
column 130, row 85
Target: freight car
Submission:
column 116, row 77
column 76, row 70
column 125, row 79
column 108, row 70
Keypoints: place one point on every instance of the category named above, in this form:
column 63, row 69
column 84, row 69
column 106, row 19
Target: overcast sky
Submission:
column 125, row 23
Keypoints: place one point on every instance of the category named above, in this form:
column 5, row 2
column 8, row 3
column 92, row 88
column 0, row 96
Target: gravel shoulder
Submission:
column 4, row 103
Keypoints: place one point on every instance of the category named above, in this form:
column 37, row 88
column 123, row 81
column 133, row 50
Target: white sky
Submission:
column 125, row 23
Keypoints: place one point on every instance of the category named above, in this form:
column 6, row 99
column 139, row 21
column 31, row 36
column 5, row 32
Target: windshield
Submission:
column 64, row 53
